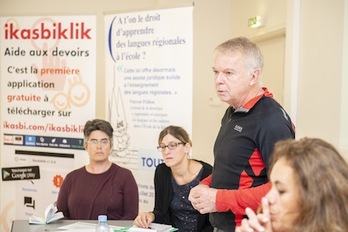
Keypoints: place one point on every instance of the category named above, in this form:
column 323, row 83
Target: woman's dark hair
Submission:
column 98, row 124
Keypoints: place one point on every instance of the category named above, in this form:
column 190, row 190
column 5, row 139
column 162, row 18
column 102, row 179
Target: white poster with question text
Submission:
column 148, row 86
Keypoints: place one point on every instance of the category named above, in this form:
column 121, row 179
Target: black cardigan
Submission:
column 163, row 196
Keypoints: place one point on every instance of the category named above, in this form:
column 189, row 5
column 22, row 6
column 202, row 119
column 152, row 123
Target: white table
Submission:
column 24, row 226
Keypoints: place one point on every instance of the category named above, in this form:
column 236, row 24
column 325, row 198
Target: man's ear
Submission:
column 255, row 77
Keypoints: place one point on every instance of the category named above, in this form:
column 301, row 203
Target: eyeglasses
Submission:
column 95, row 142
column 171, row 146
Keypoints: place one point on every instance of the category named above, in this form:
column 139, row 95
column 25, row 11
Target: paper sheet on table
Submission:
column 87, row 227
column 155, row 227
column 90, row 227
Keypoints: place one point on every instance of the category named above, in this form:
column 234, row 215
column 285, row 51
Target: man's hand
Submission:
column 203, row 198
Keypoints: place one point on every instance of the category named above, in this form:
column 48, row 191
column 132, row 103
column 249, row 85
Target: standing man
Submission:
column 252, row 124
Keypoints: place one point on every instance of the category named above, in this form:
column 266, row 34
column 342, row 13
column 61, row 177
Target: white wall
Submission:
column 344, row 87
column 320, row 69
column 212, row 25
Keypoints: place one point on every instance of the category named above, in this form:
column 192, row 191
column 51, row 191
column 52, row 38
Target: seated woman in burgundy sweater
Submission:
column 100, row 187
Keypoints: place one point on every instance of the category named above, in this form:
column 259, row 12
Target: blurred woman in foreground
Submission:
column 309, row 190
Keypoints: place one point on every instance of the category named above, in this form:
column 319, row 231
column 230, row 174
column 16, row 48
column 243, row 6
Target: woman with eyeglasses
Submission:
column 100, row 187
column 173, row 180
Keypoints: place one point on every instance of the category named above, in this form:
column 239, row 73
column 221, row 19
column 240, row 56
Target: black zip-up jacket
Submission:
column 163, row 197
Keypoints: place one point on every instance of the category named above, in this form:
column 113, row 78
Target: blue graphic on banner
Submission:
column 43, row 141
column 29, row 140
